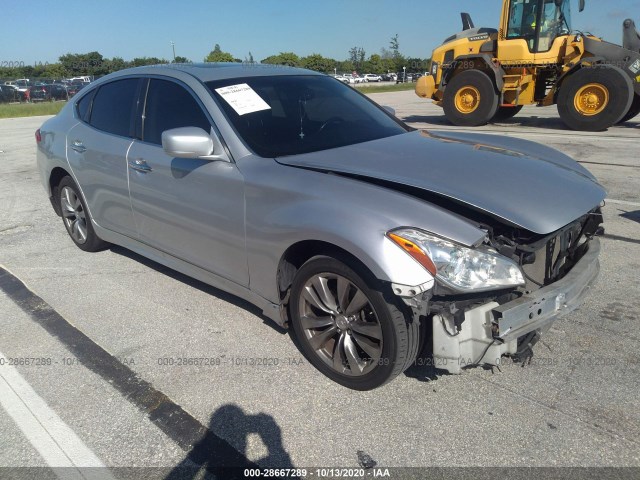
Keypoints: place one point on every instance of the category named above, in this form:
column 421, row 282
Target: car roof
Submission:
column 207, row 72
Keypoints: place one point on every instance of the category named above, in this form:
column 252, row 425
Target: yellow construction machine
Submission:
column 535, row 58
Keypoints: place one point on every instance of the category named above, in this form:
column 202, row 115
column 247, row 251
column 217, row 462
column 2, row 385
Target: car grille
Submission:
column 552, row 259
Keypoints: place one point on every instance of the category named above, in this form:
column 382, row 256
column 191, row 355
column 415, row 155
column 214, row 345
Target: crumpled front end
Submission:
column 471, row 329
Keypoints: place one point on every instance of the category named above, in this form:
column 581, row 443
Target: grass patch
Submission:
column 400, row 87
column 12, row 110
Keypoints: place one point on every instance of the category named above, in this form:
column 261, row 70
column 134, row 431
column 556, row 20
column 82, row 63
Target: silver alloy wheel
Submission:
column 340, row 324
column 73, row 215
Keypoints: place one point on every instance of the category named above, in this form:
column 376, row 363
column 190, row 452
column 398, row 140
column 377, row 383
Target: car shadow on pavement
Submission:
column 192, row 282
column 231, row 426
column 546, row 123
column 519, row 121
column 634, row 215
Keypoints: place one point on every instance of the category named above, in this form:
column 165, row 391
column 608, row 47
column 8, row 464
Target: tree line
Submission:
column 94, row 64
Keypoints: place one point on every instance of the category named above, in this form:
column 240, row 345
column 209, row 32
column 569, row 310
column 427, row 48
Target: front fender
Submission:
column 287, row 205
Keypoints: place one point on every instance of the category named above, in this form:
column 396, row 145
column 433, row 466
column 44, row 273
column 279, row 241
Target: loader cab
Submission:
column 534, row 30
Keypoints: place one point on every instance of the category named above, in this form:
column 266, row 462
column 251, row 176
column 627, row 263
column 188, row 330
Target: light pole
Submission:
column 404, row 74
column 173, row 45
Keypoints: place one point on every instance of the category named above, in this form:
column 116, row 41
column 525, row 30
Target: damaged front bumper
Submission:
column 492, row 330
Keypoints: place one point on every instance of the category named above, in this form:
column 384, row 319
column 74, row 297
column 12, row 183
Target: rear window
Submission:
column 113, row 105
column 84, row 105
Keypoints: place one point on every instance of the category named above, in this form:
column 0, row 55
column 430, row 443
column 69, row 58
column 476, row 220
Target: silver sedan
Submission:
column 372, row 241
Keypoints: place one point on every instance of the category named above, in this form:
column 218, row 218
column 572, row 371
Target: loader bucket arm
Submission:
column 630, row 36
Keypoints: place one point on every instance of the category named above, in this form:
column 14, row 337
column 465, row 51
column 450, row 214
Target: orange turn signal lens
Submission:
column 415, row 251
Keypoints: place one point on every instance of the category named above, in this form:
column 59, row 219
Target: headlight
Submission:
column 457, row 266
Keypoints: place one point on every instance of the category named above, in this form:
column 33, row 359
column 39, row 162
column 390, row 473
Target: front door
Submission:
column 189, row 208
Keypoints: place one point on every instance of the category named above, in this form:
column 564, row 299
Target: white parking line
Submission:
column 54, row 440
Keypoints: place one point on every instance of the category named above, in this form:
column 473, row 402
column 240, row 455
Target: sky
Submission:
column 144, row 28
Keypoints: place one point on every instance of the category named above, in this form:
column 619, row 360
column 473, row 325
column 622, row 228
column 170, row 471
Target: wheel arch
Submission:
column 55, row 177
column 302, row 251
column 587, row 62
column 574, row 69
column 483, row 63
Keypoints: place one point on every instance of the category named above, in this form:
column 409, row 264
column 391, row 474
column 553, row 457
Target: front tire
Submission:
column 75, row 217
column 348, row 328
column 470, row 99
column 506, row 113
column 594, row 99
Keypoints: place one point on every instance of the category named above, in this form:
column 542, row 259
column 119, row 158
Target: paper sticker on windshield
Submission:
column 243, row 99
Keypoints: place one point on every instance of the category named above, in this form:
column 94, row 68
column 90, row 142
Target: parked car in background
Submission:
column 347, row 78
column 358, row 79
column 370, row 77
column 22, row 85
column 58, row 92
column 74, row 88
column 388, row 77
column 39, row 93
column 9, row 93
column 5, row 94
column 84, row 79
column 307, row 199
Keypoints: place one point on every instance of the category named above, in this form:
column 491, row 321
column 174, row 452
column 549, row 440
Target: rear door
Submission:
column 190, row 208
column 97, row 150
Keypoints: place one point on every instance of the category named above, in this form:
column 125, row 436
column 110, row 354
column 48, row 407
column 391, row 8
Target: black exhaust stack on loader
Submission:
column 467, row 23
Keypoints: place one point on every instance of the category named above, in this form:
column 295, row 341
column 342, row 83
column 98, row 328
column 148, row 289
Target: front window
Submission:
column 170, row 106
column 539, row 22
column 288, row 115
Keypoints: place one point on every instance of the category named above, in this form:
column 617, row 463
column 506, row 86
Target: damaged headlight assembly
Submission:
column 458, row 267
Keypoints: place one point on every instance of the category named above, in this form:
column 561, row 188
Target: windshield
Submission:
column 540, row 22
column 288, row 115
column 556, row 21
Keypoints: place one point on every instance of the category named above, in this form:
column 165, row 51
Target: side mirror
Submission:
column 582, row 5
column 192, row 142
column 391, row 110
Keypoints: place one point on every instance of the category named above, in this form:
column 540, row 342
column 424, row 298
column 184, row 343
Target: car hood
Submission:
column 523, row 183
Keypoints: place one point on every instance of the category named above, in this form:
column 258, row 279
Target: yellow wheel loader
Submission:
column 535, row 58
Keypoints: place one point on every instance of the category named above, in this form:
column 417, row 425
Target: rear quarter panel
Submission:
column 52, row 150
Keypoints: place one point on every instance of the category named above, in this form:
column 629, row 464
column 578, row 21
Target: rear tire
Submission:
column 76, row 218
column 633, row 111
column 470, row 99
column 594, row 99
column 505, row 113
column 348, row 328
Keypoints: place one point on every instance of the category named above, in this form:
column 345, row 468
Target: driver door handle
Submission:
column 139, row 165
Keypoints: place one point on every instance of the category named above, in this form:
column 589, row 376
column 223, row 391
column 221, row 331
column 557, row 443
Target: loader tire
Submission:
column 470, row 99
column 595, row 98
column 633, row 111
column 505, row 113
